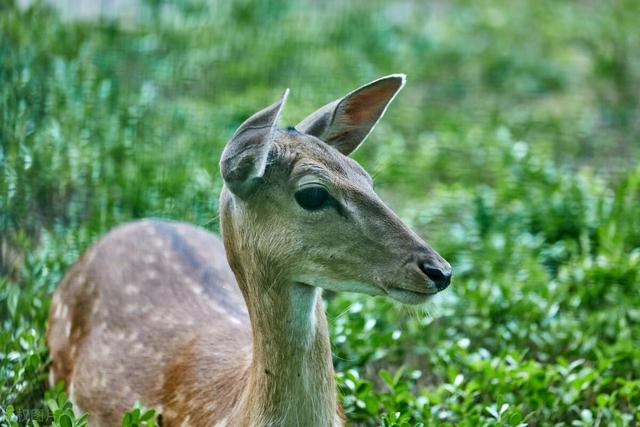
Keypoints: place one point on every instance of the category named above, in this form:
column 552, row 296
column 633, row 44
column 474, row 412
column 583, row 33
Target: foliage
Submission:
column 513, row 148
column 139, row 416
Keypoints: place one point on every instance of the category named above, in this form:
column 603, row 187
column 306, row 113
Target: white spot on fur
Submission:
column 169, row 319
column 130, row 308
column 215, row 307
column 72, row 399
column 67, row 329
column 61, row 312
column 221, row 423
column 131, row 290
column 80, row 279
column 95, row 308
column 52, row 378
column 58, row 311
column 133, row 336
column 91, row 254
column 128, row 391
column 178, row 269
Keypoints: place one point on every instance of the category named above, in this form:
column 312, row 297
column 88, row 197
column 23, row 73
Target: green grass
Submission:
column 513, row 149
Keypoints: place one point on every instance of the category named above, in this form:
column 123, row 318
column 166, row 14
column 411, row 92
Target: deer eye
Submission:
column 312, row 198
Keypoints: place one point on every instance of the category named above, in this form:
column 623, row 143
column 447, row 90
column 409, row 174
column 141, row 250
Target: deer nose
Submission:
column 440, row 276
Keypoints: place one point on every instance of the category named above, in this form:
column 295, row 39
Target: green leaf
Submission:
column 65, row 421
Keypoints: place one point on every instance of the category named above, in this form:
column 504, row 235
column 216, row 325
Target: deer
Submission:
column 232, row 331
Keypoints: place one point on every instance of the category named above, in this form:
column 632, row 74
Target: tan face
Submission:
column 315, row 215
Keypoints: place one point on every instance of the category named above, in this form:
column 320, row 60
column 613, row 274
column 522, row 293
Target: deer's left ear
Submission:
column 346, row 122
column 244, row 158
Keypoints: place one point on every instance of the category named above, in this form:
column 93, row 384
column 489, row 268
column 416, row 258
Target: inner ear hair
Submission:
column 245, row 156
column 346, row 122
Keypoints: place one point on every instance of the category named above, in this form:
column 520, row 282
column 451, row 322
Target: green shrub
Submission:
column 512, row 149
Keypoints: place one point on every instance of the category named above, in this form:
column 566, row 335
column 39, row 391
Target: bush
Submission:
column 512, row 149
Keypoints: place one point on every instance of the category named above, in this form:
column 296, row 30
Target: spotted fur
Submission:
column 233, row 332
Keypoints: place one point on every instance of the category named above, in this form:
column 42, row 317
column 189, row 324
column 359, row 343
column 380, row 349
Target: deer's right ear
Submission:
column 346, row 122
column 244, row 159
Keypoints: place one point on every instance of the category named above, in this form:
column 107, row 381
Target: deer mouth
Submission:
column 412, row 297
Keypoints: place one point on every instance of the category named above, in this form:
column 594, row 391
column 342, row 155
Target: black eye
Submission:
column 312, row 198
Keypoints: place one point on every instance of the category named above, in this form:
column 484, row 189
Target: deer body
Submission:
column 186, row 348
column 236, row 335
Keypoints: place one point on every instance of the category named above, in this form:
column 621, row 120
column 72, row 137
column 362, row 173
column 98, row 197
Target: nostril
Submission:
column 441, row 278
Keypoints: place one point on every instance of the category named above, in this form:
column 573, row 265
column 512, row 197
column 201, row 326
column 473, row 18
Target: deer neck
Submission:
column 291, row 380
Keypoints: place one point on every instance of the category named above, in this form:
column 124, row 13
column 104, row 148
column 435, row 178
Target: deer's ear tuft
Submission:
column 346, row 122
column 244, row 159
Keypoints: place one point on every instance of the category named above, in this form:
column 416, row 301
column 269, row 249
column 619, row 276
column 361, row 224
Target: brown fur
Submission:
column 140, row 336
column 155, row 311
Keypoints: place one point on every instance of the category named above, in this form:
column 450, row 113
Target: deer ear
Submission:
column 244, row 159
column 346, row 122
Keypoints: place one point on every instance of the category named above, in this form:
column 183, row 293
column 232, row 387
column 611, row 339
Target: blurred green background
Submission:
column 513, row 149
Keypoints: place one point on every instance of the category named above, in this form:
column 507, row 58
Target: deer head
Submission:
column 297, row 207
